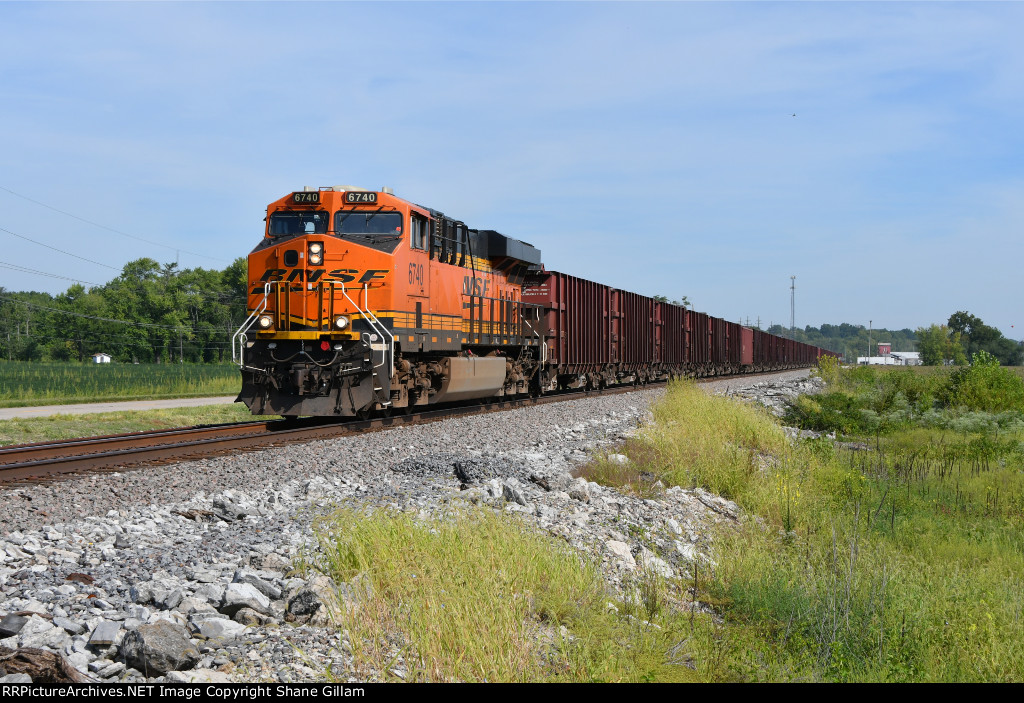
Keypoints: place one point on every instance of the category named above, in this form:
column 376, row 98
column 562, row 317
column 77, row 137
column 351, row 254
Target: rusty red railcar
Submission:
column 638, row 334
column 719, row 343
column 746, row 347
column 576, row 317
column 672, row 320
column 765, row 353
column 699, row 342
column 597, row 335
column 734, row 346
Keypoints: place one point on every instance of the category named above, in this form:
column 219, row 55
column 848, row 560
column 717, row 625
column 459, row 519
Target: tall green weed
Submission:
column 696, row 440
column 479, row 596
column 985, row 385
column 874, row 401
column 902, row 563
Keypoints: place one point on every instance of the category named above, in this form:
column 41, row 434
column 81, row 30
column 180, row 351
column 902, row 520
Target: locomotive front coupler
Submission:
column 304, row 365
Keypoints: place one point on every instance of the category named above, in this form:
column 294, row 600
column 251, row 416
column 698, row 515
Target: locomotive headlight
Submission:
column 265, row 322
column 316, row 253
column 340, row 322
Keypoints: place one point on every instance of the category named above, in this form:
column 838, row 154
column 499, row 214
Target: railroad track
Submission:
column 31, row 463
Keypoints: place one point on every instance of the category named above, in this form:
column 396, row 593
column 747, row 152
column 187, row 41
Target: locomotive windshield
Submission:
column 285, row 224
column 372, row 228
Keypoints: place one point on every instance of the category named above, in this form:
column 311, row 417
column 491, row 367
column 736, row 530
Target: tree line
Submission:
column 153, row 313
column 954, row 343
column 849, row 340
column 961, row 338
column 150, row 313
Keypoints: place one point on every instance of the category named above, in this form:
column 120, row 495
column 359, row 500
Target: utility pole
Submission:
column 792, row 306
column 869, row 340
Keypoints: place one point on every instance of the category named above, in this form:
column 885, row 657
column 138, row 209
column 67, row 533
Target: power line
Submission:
column 91, row 335
column 792, row 305
column 207, row 295
column 96, row 317
column 16, row 267
column 25, row 269
column 29, row 239
column 109, row 229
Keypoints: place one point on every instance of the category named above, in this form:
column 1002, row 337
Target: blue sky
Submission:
column 651, row 146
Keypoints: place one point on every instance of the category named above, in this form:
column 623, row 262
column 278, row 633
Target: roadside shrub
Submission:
column 985, row 385
column 828, row 369
column 826, row 412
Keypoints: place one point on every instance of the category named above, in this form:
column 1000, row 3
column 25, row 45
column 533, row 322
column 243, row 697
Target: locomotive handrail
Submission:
column 377, row 326
column 240, row 332
column 391, row 337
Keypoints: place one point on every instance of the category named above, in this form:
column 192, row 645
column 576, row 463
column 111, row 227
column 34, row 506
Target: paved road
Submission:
column 85, row 408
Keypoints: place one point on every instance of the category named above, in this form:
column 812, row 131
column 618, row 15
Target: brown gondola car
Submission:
column 699, row 334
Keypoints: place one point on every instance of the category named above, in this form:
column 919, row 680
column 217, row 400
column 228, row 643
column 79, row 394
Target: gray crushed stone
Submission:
column 90, row 565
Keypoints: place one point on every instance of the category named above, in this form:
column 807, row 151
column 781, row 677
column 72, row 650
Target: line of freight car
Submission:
column 598, row 334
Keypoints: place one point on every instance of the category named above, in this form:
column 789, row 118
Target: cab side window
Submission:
column 463, row 237
column 459, row 250
column 418, row 232
column 437, row 240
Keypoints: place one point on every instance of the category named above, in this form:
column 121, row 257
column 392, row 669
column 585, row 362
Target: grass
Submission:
column 478, row 596
column 23, row 431
column 53, row 383
column 873, row 401
column 696, row 440
column 903, row 563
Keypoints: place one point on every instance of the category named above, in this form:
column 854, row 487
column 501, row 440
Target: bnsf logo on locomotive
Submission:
column 475, row 286
column 314, row 275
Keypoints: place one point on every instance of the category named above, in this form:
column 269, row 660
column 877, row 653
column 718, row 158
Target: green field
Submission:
column 43, row 429
column 899, row 559
column 24, row 383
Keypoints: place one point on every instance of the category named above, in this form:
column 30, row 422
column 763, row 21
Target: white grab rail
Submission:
column 239, row 335
column 383, row 329
column 377, row 326
column 238, row 339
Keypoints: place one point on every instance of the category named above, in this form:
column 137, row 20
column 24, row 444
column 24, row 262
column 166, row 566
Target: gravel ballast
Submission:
column 181, row 572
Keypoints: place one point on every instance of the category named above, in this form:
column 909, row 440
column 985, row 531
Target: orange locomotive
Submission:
column 361, row 300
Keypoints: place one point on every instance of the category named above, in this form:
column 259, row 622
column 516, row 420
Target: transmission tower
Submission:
column 792, row 305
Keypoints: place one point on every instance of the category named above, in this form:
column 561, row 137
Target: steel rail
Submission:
column 30, row 463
